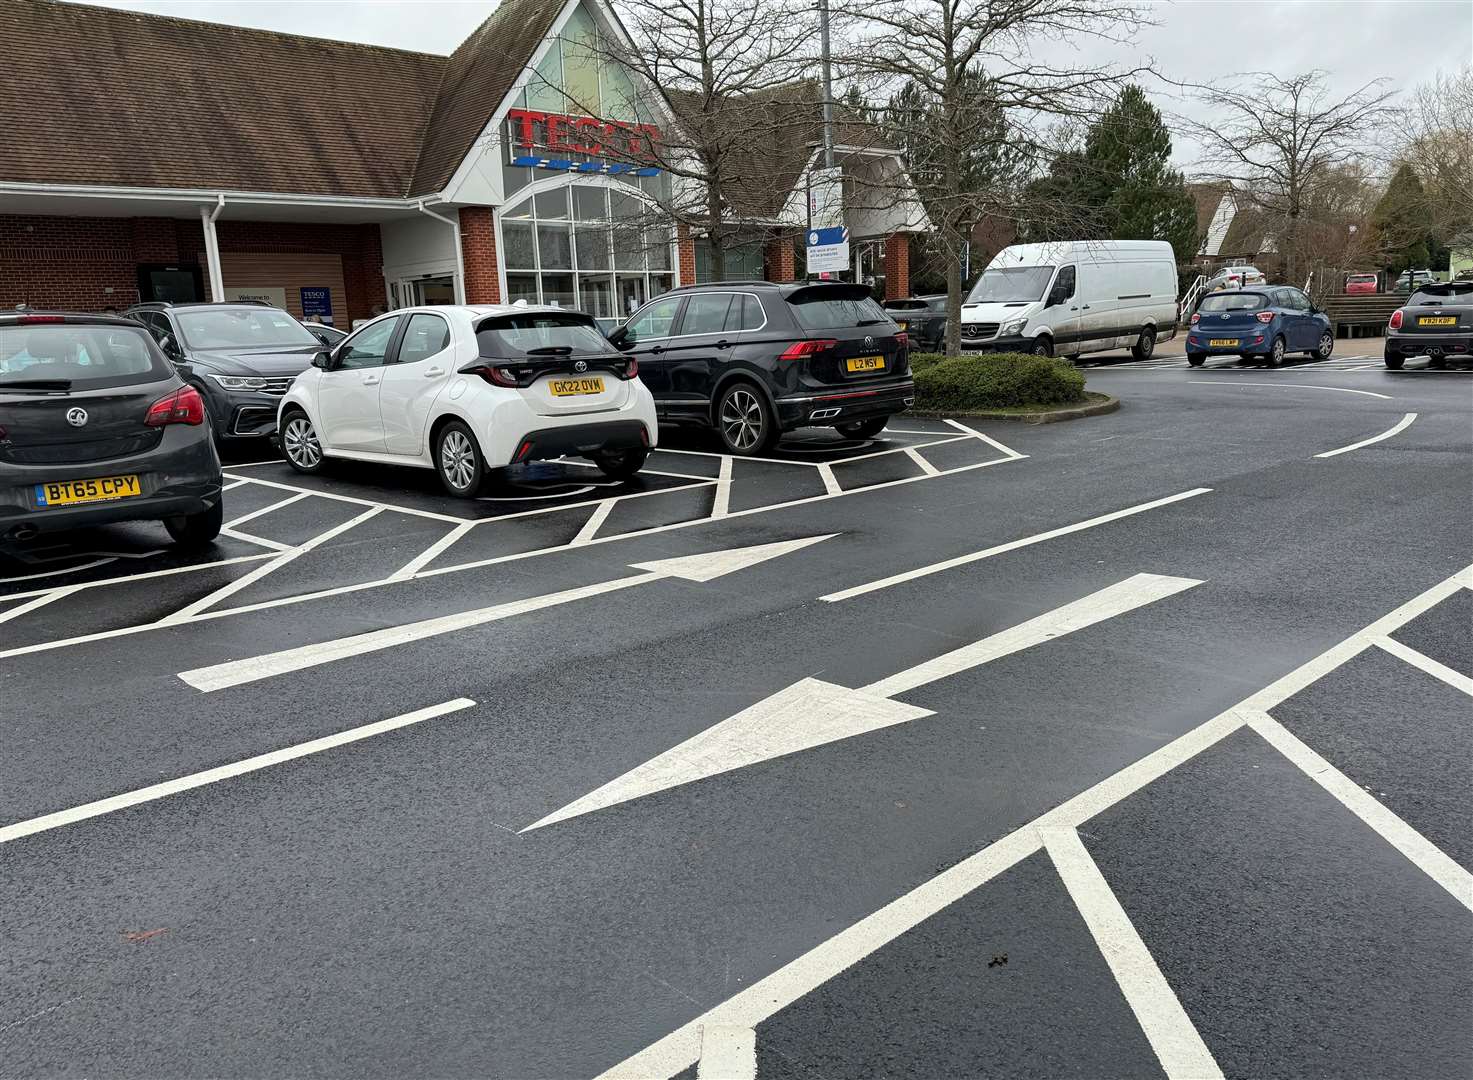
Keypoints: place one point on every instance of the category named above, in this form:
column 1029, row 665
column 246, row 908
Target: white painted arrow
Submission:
column 812, row 712
column 702, row 568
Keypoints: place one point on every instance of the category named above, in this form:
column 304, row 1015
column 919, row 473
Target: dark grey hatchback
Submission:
column 96, row 426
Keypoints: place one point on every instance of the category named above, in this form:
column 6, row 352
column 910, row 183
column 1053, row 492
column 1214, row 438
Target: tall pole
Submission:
column 828, row 85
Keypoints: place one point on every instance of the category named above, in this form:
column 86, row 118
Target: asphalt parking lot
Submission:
column 1133, row 746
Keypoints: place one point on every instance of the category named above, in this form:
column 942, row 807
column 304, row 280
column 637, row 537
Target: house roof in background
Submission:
column 99, row 96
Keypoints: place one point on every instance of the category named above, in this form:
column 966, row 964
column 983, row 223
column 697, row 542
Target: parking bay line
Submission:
column 1012, row 545
column 146, row 575
column 1456, row 679
column 1401, row 425
column 698, row 568
column 1292, row 386
column 263, row 511
column 225, row 772
column 1167, row 1027
column 800, row 976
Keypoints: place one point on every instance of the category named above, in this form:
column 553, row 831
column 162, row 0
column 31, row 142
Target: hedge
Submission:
column 993, row 381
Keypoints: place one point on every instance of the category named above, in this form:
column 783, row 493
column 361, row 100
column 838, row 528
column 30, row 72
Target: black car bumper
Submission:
column 1015, row 344
column 240, row 414
column 843, row 406
column 178, row 477
column 612, row 436
column 1452, row 345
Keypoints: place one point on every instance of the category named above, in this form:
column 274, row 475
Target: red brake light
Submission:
column 632, row 369
column 496, row 376
column 1195, row 317
column 1395, row 323
column 183, row 406
column 1265, row 316
column 799, row 349
column 42, row 318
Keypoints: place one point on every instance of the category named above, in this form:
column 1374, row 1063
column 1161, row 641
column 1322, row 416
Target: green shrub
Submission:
column 994, row 381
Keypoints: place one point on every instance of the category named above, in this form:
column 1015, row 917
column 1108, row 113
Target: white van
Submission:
column 1070, row 298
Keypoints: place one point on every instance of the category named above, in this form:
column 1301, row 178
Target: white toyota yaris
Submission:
column 463, row 390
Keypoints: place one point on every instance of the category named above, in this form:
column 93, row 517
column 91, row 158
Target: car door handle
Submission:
column 1086, row 307
column 723, row 344
column 657, row 350
column 434, row 372
column 370, row 380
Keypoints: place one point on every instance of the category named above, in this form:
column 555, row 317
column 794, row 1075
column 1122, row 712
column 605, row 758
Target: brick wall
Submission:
column 777, row 259
column 478, row 251
column 685, row 249
column 90, row 264
column 897, row 266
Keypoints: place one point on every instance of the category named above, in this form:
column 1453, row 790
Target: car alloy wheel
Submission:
column 457, row 460
column 1327, row 346
column 1276, row 354
column 299, row 440
column 743, row 421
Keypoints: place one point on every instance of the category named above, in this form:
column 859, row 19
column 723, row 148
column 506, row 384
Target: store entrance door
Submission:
column 435, row 290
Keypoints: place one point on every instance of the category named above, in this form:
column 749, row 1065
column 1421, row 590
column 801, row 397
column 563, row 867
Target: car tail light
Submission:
column 1395, row 323
column 1265, row 316
column 183, row 406
column 42, row 318
column 496, row 376
column 1195, row 318
column 799, row 349
column 902, row 339
column 631, row 369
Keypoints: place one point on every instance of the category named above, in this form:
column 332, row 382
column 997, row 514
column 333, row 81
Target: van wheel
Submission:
column 1042, row 346
column 744, row 421
column 1146, row 346
column 458, row 461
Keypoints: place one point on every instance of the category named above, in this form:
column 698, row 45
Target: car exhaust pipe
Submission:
column 822, row 414
column 22, row 532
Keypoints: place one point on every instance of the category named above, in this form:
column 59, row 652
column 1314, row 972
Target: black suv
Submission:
column 753, row 359
column 241, row 357
column 97, row 426
column 1437, row 322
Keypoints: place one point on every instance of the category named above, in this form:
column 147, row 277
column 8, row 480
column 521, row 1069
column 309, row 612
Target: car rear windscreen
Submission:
column 1221, row 303
column 1451, row 292
column 539, row 333
column 84, row 357
column 826, row 311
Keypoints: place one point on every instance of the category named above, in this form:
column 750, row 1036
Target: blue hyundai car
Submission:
column 1261, row 325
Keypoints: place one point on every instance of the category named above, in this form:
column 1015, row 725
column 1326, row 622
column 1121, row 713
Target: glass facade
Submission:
column 586, row 245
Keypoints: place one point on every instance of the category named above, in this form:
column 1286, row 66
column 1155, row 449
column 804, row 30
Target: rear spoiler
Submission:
column 838, row 290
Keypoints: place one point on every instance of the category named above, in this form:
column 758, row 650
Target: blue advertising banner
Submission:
column 317, row 303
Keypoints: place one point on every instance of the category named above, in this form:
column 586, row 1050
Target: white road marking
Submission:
column 336, row 497
column 770, row 995
column 1401, row 425
column 727, row 1053
column 234, row 483
column 431, row 553
column 496, row 559
column 1293, row 386
column 700, row 568
column 926, row 466
column 145, row 576
column 1166, row 1025
column 1424, row 854
column 812, row 712
column 1456, row 679
column 721, row 501
column 265, row 569
column 238, row 522
column 34, row 603
column 224, row 772
column 830, row 485
column 595, row 522
column 1012, row 545
column 252, row 538
column 988, row 439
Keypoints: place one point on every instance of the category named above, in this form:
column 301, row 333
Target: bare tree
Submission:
column 981, row 92
column 1282, row 141
column 1438, row 123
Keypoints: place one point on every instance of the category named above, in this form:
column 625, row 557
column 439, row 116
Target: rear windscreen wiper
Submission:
column 871, row 322
column 37, row 384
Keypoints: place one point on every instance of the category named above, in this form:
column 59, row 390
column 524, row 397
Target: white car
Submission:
column 463, row 390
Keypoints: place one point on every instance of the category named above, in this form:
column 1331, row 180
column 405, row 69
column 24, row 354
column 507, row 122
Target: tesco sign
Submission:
column 586, row 135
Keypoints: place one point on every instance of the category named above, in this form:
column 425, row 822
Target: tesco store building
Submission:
column 155, row 158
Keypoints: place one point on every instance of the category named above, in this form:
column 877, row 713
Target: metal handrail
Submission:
column 1193, row 294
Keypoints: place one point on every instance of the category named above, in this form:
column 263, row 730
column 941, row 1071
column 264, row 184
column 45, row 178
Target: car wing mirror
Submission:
column 323, row 360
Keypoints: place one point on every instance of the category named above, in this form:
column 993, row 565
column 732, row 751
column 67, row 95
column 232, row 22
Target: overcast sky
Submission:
column 1194, row 41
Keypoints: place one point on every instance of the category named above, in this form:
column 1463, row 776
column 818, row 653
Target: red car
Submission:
column 1361, row 284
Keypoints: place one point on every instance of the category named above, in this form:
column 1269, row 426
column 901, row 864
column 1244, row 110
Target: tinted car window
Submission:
column 1453, row 292
column 518, row 335
column 818, row 312
column 654, row 321
column 366, row 348
column 423, row 337
column 1063, row 285
column 745, row 313
column 241, row 328
column 1233, row 301
column 705, row 313
column 86, row 357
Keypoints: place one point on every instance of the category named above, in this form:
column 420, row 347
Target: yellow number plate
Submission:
column 1441, row 320
column 865, row 363
column 102, row 489
column 574, row 387
column 1220, row 341
column 902, row 324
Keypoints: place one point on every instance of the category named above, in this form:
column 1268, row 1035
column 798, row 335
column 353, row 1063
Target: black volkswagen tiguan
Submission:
column 96, row 426
column 753, row 359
